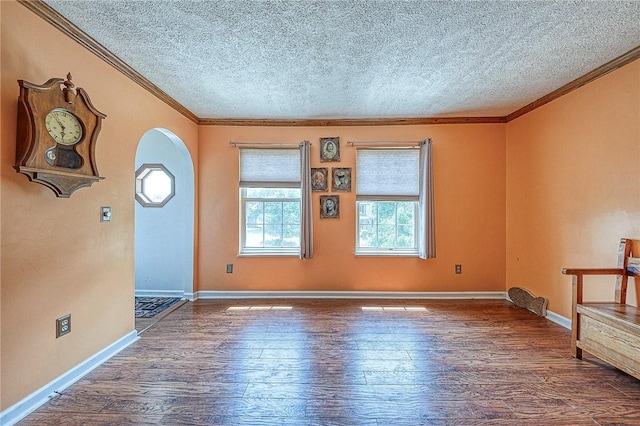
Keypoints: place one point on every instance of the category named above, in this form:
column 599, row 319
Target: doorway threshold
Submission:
column 143, row 324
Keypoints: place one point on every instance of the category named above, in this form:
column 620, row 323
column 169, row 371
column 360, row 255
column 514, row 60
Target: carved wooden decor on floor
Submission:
column 525, row 299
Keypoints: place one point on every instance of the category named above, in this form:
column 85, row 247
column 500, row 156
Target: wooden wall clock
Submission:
column 57, row 132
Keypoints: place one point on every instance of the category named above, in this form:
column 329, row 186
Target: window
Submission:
column 387, row 225
column 271, row 219
column 270, row 201
column 387, row 197
column 155, row 185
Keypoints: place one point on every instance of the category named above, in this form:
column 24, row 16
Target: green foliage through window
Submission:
column 387, row 226
column 271, row 219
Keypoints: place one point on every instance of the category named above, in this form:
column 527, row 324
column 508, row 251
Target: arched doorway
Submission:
column 164, row 231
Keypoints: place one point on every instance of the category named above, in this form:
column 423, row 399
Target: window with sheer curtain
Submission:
column 270, row 201
column 387, row 191
column 394, row 201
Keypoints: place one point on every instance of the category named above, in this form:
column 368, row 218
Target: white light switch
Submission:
column 105, row 214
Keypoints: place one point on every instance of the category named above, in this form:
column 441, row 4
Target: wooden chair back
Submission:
column 626, row 250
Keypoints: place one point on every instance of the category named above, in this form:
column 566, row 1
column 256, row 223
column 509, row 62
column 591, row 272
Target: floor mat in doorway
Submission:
column 148, row 307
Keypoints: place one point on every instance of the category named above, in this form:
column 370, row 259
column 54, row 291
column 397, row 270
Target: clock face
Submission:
column 63, row 126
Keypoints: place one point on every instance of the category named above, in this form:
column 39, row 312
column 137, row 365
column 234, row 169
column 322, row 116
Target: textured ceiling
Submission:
column 356, row 59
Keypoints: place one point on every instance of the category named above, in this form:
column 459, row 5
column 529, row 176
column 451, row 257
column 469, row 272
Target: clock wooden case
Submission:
column 58, row 128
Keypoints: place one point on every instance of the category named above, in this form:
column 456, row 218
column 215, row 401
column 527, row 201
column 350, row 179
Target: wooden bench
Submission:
column 608, row 330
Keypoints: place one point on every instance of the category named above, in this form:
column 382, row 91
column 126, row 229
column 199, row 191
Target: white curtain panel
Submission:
column 306, row 208
column 427, row 239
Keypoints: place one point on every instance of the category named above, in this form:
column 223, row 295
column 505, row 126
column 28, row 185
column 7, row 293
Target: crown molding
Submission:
column 50, row 15
column 612, row 65
column 324, row 122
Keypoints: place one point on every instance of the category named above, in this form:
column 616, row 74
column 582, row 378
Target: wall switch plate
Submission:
column 458, row 269
column 63, row 325
column 105, row 214
column 229, row 268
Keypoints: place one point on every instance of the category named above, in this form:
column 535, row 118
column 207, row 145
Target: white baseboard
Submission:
column 22, row 408
column 349, row 295
column 559, row 319
column 160, row 293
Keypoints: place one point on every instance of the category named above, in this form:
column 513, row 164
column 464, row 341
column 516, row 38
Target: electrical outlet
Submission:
column 63, row 325
column 458, row 269
column 229, row 268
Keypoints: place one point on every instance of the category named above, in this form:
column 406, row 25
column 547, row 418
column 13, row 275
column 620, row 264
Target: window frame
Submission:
column 274, row 250
column 143, row 171
column 268, row 168
column 387, row 251
column 366, row 188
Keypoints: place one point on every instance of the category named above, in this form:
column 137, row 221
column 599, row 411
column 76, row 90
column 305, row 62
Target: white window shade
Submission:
column 387, row 172
column 269, row 166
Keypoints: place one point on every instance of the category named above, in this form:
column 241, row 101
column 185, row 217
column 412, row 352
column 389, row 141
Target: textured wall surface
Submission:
column 573, row 187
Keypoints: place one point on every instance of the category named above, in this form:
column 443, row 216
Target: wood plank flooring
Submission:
column 332, row 363
column 142, row 324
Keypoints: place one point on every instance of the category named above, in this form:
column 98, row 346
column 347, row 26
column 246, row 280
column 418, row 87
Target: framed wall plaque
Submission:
column 329, row 206
column 329, row 149
column 319, row 179
column 341, row 179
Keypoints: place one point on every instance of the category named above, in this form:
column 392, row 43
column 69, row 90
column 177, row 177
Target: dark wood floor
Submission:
column 142, row 324
column 331, row 363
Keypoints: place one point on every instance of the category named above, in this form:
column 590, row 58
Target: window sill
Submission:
column 386, row 254
column 269, row 254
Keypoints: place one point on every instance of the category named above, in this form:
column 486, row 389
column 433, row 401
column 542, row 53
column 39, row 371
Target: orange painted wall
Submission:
column 469, row 169
column 57, row 258
column 573, row 186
